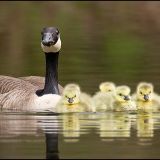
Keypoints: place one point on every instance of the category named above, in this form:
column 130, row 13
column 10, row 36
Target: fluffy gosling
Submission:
column 106, row 87
column 122, row 99
column 145, row 97
column 73, row 100
column 102, row 100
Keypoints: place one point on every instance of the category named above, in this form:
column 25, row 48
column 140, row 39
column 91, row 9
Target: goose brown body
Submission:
column 18, row 93
column 15, row 93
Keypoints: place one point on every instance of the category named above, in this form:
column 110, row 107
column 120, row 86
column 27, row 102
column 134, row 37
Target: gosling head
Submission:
column 145, row 91
column 71, row 94
column 72, row 86
column 107, row 87
column 51, row 41
column 122, row 93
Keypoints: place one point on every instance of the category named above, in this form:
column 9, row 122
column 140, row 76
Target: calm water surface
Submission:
column 80, row 135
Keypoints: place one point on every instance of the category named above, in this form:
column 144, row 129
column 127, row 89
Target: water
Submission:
column 101, row 41
column 80, row 135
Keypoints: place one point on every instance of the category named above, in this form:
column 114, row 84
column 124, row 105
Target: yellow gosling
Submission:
column 73, row 100
column 145, row 98
column 122, row 99
column 107, row 87
column 103, row 99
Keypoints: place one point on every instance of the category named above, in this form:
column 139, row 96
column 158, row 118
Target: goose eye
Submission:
column 57, row 31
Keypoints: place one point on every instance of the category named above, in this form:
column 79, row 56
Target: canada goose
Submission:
column 103, row 99
column 21, row 95
column 73, row 100
column 146, row 99
column 122, row 99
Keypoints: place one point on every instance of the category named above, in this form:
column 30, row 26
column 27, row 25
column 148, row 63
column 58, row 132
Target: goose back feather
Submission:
column 15, row 93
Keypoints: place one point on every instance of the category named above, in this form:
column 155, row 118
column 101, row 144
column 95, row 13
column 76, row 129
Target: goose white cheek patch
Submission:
column 53, row 48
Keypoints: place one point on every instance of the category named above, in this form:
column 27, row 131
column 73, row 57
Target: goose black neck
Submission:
column 51, row 78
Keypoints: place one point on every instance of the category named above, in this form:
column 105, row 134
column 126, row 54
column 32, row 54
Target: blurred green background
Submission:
column 101, row 41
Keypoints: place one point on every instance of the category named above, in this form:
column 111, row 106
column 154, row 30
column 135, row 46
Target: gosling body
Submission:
column 73, row 100
column 103, row 99
column 122, row 99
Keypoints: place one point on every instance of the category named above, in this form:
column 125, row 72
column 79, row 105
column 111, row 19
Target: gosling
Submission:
column 122, row 99
column 103, row 99
column 145, row 97
column 73, row 100
column 105, row 87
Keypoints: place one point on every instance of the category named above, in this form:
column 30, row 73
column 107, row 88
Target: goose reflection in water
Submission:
column 13, row 127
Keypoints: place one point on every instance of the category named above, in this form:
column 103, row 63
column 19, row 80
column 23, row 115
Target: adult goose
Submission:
column 27, row 94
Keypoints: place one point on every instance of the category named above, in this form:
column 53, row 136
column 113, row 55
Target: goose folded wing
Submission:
column 39, row 81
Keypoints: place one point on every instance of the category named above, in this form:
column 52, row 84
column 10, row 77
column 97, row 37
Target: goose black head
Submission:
column 51, row 41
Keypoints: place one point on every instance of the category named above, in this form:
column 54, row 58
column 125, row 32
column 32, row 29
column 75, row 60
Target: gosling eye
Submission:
column 66, row 96
column 141, row 93
column 74, row 96
column 109, row 90
column 149, row 92
column 120, row 94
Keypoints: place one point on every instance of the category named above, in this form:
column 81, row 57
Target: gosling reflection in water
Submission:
column 145, row 125
column 71, row 127
column 115, row 125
